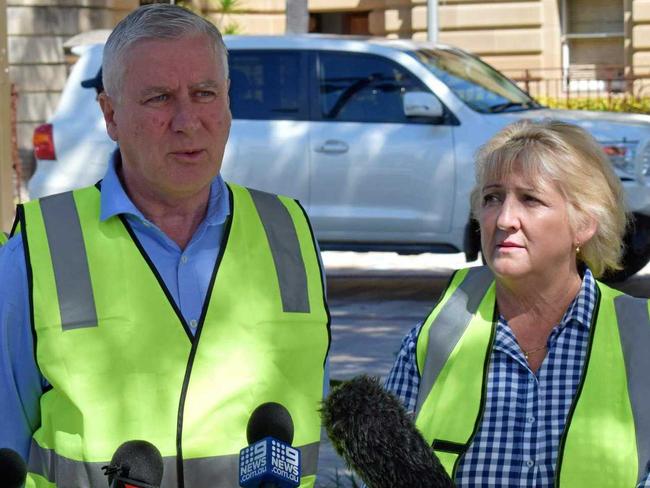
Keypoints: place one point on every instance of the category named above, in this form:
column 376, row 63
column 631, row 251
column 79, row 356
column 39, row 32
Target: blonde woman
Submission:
column 529, row 372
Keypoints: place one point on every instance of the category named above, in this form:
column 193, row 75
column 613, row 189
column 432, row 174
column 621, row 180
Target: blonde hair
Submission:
column 569, row 157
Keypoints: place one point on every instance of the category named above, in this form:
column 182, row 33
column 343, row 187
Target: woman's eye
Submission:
column 490, row 198
column 531, row 199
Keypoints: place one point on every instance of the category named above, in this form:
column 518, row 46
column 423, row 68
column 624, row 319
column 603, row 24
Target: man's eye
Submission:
column 158, row 98
column 205, row 94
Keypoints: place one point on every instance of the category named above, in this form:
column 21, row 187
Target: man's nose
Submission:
column 185, row 118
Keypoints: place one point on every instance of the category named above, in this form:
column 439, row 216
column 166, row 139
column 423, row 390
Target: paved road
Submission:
column 375, row 299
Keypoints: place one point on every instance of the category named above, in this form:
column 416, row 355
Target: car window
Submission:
column 364, row 88
column 266, row 85
column 476, row 83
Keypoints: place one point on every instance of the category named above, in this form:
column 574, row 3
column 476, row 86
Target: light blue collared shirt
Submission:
column 186, row 273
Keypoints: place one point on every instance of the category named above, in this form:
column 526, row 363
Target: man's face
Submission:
column 171, row 118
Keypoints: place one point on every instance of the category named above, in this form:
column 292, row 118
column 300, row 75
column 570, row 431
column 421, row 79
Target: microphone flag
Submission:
column 269, row 461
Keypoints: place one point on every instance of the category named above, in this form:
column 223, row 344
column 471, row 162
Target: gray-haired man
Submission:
column 161, row 304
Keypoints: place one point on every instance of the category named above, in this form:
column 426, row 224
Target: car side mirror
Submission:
column 422, row 104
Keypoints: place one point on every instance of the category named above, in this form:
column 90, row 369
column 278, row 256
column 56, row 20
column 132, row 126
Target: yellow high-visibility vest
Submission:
column 123, row 364
column 606, row 440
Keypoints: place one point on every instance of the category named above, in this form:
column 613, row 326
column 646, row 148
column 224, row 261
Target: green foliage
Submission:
column 228, row 6
column 222, row 7
column 614, row 103
column 231, row 28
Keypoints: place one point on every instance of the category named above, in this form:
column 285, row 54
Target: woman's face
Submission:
column 525, row 229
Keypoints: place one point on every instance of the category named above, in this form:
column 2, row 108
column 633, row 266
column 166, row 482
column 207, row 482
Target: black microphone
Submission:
column 13, row 470
column 371, row 430
column 269, row 461
column 135, row 464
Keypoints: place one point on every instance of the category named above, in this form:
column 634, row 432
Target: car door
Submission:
column 377, row 176
column 268, row 147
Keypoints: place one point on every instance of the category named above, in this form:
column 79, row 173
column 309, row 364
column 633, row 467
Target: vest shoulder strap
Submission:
column 450, row 324
column 284, row 243
column 634, row 330
column 67, row 249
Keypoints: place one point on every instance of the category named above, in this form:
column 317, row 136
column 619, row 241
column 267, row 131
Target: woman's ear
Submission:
column 586, row 230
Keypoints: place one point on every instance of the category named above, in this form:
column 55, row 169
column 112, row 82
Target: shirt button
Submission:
column 183, row 259
column 530, row 463
column 193, row 323
column 530, row 419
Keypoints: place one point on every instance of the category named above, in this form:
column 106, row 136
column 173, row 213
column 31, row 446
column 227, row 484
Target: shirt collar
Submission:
column 581, row 309
column 115, row 201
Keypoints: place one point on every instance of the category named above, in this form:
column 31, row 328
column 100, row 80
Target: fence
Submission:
column 580, row 86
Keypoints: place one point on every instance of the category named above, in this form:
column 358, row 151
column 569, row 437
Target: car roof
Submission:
column 98, row 36
column 294, row 41
column 326, row 41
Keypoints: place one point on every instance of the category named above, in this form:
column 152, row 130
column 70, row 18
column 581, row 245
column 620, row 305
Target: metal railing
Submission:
column 601, row 82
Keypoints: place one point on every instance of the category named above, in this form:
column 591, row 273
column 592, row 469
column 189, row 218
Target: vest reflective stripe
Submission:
column 76, row 302
column 635, row 339
column 450, row 325
column 220, row 470
column 617, row 375
column 285, row 248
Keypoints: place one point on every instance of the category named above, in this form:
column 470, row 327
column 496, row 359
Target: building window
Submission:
column 348, row 23
column 593, row 56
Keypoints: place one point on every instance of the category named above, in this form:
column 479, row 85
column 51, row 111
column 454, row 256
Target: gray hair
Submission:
column 569, row 157
column 154, row 21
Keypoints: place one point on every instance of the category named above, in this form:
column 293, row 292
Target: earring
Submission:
column 578, row 248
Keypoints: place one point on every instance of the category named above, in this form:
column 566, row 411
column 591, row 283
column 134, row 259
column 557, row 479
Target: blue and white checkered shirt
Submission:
column 517, row 442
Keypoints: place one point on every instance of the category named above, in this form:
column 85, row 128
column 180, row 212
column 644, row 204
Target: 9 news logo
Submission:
column 252, row 461
column 285, row 460
column 272, row 461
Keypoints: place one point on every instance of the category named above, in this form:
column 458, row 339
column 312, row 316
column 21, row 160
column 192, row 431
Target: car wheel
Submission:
column 637, row 250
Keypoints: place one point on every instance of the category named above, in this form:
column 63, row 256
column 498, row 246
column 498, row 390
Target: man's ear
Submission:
column 107, row 105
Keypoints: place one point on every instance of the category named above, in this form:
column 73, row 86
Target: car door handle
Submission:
column 332, row 147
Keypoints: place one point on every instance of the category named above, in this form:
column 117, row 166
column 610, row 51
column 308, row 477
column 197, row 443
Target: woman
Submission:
column 530, row 372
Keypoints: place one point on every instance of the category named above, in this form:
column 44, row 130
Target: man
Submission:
column 160, row 304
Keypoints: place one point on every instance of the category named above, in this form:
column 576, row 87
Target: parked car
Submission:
column 376, row 137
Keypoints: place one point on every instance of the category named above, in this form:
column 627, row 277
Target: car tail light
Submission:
column 43, row 142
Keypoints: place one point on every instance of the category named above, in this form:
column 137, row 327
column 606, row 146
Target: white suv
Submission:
column 376, row 137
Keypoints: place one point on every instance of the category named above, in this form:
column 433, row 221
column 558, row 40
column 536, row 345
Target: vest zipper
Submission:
column 195, row 344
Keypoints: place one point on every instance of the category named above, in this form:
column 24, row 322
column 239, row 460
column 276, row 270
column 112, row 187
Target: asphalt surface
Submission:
column 375, row 299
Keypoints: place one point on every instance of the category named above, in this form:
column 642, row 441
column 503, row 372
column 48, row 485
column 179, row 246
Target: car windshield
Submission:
column 477, row 84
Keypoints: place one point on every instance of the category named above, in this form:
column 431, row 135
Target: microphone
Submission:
column 135, row 464
column 371, row 430
column 269, row 461
column 13, row 470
